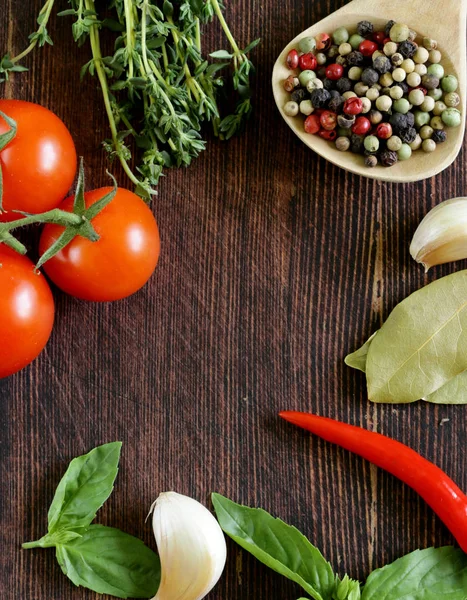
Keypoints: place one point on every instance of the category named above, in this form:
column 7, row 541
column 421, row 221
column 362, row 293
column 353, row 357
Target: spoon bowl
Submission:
column 432, row 18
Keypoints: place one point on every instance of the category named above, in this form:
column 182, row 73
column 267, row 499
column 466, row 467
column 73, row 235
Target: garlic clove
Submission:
column 441, row 236
column 191, row 546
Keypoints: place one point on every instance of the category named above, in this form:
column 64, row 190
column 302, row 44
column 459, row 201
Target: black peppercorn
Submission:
column 371, row 161
column 404, row 86
column 408, row 135
column 342, row 60
column 298, row 95
column 388, row 27
column 321, row 73
column 430, row 82
column 410, row 119
column 320, row 98
column 370, row 76
column 398, row 122
column 356, row 143
column 329, row 84
column 388, row 158
column 344, row 85
column 336, row 103
column 355, row 59
column 334, row 94
column 346, row 121
column 365, row 28
column 382, row 64
column 407, row 49
column 439, row 136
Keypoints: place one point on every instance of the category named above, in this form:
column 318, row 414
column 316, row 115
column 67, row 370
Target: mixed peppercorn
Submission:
column 376, row 93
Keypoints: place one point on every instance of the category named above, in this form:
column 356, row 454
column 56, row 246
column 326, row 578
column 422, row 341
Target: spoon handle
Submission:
column 437, row 9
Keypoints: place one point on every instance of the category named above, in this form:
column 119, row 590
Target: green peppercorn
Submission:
column 371, row 143
column 399, row 33
column 372, row 94
column 396, row 92
column 384, row 103
column 439, row 108
column 345, row 49
column 402, row 106
column 307, row 44
column 429, row 145
column 404, row 152
column 426, row 132
column 437, row 123
column 435, row 94
column 306, row 107
column 394, row 143
column 355, row 73
column 449, row 83
column 429, row 44
column 452, row 117
column 421, row 118
column 436, row 70
column 355, row 40
column 343, row 143
column 416, row 97
column 341, row 132
column 452, row 99
column 340, row 36
column 291, row 109
column 306, row 76
column 361, row 88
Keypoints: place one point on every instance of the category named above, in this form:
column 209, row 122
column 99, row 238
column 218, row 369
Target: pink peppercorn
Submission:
column 307, row 62
column 367, row 48
column 328, row 120
column 289, row 84
column 323, row 41
column 353, row 106
column 361, row 126
column 312, row 124
column 379, row 37
column 328, row 135
column 292, row 59
column 334, row 72
column 384, row 131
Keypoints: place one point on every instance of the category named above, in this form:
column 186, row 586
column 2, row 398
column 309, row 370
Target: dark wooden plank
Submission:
column 274, row 265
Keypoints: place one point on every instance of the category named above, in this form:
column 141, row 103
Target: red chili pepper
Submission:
column 428, row 480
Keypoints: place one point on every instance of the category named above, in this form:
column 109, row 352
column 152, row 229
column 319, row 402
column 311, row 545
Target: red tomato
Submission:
column 117, row 265
column 26, row 312
column 39, row 165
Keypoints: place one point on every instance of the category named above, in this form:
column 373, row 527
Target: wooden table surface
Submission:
column 274, row 265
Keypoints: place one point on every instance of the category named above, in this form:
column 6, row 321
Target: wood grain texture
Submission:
column 274, row 265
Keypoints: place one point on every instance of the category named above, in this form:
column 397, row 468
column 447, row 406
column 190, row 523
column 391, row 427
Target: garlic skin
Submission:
column 191, row 546
column 441, row 237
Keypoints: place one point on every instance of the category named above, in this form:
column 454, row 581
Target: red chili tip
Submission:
column 292, row 416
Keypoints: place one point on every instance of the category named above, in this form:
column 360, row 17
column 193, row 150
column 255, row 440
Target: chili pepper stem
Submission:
column 428, row 480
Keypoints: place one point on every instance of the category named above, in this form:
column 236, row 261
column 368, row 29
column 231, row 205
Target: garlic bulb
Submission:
column 441, row 237
column 191, row 547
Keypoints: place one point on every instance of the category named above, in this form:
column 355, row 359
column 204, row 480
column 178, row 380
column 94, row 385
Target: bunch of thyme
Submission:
column 158, row 86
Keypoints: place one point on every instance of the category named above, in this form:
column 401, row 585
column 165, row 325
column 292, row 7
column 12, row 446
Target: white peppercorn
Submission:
column 416, row 144
column 366, row 105
column 414, row 79
column 343, row 143
column 399, row 32
column 372, row 94
column 421, row 69
column 396, row 92
column 435, row 56
column 421, row 55
column 321, row 58
column 360, row 88
column 429, row 145
column 390, row 48
column 429, row 44
column 416, row 97
column 408, row 65
column 384, row 103
column 399, row 74
column 291, row 109
column 428, row 104
column 439, row 108
column 394, row 143
column 306, row 107
column 386, row 80
column 355, row 73
column 345, row 49
column 397, row 59
column 314, row 84
column 452, row 99
column 426, row 132
column 412, row 35
column 348, row 95
column 437, row 123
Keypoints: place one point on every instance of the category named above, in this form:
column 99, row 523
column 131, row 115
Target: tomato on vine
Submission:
column 119, row 262
column 38, row 164
column 26, row 311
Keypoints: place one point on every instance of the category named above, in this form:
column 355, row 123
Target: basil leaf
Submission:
column 108, row 561
column 432, row 574
column 452, row 392
column 84, row 488
column 422, row 345
column 277, row 545
column 357, row 359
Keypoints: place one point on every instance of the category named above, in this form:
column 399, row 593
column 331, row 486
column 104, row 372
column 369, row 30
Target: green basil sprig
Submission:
column 103, row 559
column 420, row 353
column 431, row 574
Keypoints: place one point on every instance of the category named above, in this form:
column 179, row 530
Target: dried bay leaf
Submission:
column 452, row 392
column 357, row 359
column 422, row 345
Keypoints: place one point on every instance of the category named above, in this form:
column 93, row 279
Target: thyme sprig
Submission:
column 158, row 86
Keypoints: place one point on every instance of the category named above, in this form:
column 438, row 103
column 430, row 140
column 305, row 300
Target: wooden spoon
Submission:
column 444, row 21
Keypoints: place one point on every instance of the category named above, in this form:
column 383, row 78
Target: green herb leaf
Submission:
column 223, row 54
column 422, row 345
column 252, row 45
column 277, row 545
column 432, row 574
column 86, row 485
column 108, row 561
column 357, row 359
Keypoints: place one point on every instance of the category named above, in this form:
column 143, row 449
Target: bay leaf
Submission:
column 422, row 345
column 357, row 359
column 452, row 392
